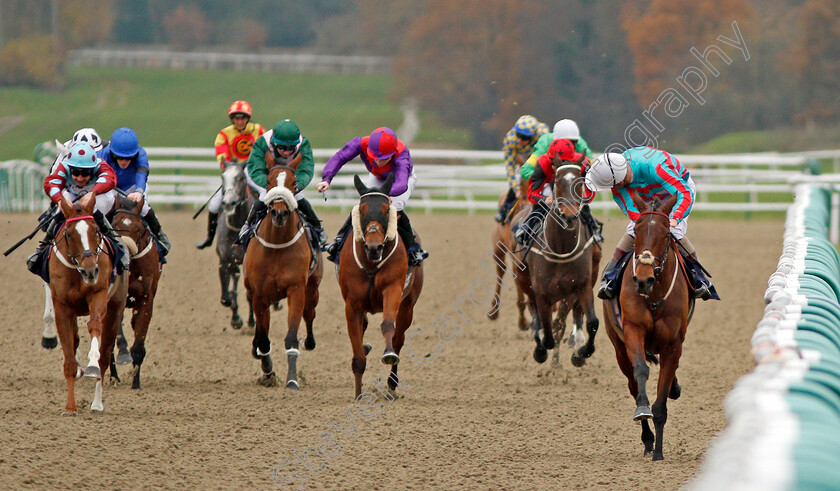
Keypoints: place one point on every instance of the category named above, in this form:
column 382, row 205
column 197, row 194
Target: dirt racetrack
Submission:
column 481, row 415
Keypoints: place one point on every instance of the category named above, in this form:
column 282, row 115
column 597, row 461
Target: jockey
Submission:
column 517, row 146
column 88, row 135
column 233, row 142
column 560, row 152
column 131, row 165
column 383, row 154
column 654, row 174
column 283, row 145
column 78, row 173
column 565, row 129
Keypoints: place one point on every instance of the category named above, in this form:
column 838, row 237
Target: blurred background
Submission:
column 463, row 70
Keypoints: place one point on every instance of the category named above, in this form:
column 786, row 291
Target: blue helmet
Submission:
column 124, row 143
column 81, row 155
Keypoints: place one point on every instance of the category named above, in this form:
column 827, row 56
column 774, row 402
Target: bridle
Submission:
column 300, row 231
column 241, row 192
column 646, row 257
column 144, row 232
column 72, row 261
column 371, row 227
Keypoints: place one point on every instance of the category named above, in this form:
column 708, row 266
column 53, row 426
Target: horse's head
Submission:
column 128, row 222
column 652, row 241
column 374, row 219
column 234, row 186
column 567, row 189
column 280, row 196
column 79, row 242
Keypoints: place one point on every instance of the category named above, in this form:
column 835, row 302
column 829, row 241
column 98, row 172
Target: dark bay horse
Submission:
column 279, row 264
column 374, row 276
column 560, row 264
column 143, row 281
column 504, row 245
column 654, row 315
column 236, row 202
column 80, row 283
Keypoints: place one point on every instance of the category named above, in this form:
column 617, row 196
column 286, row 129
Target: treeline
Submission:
column 669, row 72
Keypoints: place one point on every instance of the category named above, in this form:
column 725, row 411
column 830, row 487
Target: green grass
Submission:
column 779, row 140
column 188, row 108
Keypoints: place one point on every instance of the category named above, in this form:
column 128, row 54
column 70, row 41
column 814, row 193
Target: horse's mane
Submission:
column 125, row 203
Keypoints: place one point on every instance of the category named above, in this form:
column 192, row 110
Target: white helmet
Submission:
column 606, row 171
column 88, row 135
column 566, row 129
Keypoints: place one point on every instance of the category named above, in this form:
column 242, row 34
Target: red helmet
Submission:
column 239, row 107
column 382, row 144
column 561, row 148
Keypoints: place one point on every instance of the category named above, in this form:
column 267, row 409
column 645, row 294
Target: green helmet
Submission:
column 285, row 132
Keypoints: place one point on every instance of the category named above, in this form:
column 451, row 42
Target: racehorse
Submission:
column 374, row 276
column 559, row 272
column 143, row 281
column 236, row 202
column 655, row 309
column 80, row 282
column 278, row 264
column 504, row 244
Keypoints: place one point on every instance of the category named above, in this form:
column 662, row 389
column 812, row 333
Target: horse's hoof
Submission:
column 493, row 315
column 268, row 380
column 367, row 347
column 236, row 323
column 124, row 358
column 49, row 343
column 675, row 391
column 71, row 414
column 93, row 372
column 393, row 381
column 540, row 354
column 277, row 306
column 578, row 361
column 390, row 358
column 252, row 322
column 548, row 342
column 292, row 384
column 642, row 413
column 309, row 343
column 97, row 409
column 226, row 300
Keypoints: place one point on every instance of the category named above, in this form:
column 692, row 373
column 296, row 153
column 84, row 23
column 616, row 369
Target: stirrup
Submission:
column 606, row 291
column 702, row 292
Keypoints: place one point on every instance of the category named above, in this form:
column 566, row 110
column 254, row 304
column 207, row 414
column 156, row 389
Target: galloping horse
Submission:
column 80, row 282
column 655, row 308
column 279, row 265
column 503, row 244
column 236, row 202
column 373, row 275
column 560, row 265
column 143, row 281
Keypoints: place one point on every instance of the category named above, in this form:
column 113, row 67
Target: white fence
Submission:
column 450, row 179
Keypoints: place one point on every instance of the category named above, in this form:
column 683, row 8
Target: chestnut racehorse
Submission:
column 654, row 315
column 504, row 245
column 279, row 264
column 143, row 280
column 560, row 263
column 80, row 283
column 374, row 276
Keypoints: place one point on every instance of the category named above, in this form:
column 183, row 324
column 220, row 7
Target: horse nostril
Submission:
column 650, row 281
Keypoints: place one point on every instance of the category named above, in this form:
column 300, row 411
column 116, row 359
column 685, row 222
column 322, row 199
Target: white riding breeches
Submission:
column 679, row 231
column 146, row 206
column 216, row 202
column 400, row 201
column 104, row 202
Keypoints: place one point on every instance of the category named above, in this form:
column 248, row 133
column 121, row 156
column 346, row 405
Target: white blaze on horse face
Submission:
column 126, row 222
column 82, row 229
column 569, row 177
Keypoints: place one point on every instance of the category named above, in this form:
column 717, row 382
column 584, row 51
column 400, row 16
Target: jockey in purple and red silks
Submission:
column 383, row 155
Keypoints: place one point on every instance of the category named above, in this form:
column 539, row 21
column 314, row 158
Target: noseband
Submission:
column 646, row 257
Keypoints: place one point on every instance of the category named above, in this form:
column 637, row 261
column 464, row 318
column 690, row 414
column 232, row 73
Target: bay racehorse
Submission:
column 236, row 202
column 374, row 276
column 650, row 318
column 143, row 280
column 80, row 283
column 559, row 272
column 503, row 246
column 279, row 263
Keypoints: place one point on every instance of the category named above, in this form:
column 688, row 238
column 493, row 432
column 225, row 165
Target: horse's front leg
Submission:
column 586, row 299
column 543, row 314
column 49, row 339
column 140, row 324
column 501, row 267
column 65, row 325
column 669, row 361
column 224, row 280
column 235, row 320
column 97, row 305
column 261, row 345
column 355, row 316
column 391, row 298
column 634, row 340
column 295, row 300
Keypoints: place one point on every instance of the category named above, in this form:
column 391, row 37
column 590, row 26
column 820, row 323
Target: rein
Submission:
column 561, row 258
column 647, row 258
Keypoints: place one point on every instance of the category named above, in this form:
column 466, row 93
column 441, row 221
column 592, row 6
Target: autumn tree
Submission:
column 816, row 58
column 186, row 27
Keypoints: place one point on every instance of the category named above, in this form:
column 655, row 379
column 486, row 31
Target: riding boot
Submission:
column 416, row 254
column 531, row 225
column 507, row 204
column 255, row 214
column 314, row 223
column 212, row 222
column 107, row 230
column 594, row 225
column 702, row 287
column 334, row 248
column 609, row 283
column 35, row 262
column 154, row 226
